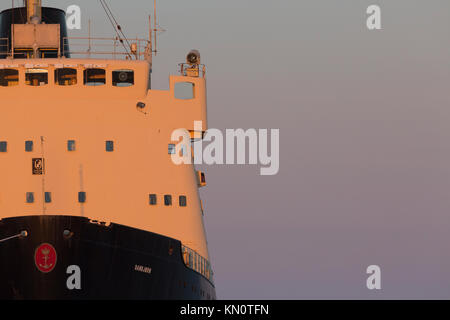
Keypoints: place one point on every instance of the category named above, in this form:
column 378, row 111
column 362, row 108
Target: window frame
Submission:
column 94, row 83
column 45, row 71
column 131, row 84
column 17, row 72
column 167, row 200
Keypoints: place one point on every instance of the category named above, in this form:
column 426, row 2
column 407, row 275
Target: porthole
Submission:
column 82, row 197
column 152, row 199
column 71, row 145
column 182, row 201
column 48, row 197
column 167, row 200
column 29, row 146
column 30, row 197
column 3, row 146
column 109, row 145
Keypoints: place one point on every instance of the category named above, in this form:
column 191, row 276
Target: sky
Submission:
column 364, row 140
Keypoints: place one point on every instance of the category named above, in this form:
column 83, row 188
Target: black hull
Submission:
column 114, row 260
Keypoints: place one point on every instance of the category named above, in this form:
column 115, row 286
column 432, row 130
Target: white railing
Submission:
column 197, row 263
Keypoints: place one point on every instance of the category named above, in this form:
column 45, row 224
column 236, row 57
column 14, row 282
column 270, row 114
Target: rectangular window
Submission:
column 171, row 149
column 30, row 197
column 152, row 199
column 183, row 201
column 36, row 77
column 3, row 146
column 109, row 146
column 71, row 145
column 123, row 78
column 66, row 76
column 48, row 197
column 94, row 77
column 167, row 200
column 184, row 90
column 9, row 77
column 82, row 197
column 28, row 146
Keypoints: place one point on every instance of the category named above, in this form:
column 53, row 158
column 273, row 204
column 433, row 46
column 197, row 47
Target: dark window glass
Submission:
column 3, row 146
column 66, row 76
column 94, row 77
column 28, row 146
column 82, row 197
column 30, row 197
column 167, row 200
column 48, row 197
column 183, row 201
column 109, row 146
column 9, row 77
column 171, row 149
column 123, row 78
column 71, row 145
column 152, row 199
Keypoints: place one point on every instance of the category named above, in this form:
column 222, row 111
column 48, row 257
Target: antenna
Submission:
column 156, row 28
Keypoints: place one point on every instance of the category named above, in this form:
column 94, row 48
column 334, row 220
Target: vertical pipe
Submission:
column 34, row 11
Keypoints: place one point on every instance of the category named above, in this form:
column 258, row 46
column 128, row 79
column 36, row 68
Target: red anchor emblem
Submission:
column 45, row 257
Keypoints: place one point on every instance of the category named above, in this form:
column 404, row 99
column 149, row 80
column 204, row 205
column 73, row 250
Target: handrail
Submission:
column 4, row 47
column 141, row 49
column 189, row 70
column 196, row 262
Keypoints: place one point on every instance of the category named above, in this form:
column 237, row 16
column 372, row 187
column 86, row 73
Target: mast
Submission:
column 34, row 11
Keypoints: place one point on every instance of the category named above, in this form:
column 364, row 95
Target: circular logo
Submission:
column 45, row 257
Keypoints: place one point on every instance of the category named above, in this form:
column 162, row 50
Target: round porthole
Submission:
column 67, row 234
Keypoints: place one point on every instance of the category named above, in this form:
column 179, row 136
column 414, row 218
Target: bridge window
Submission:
column 9, row 77
column 94, row 77
column 184, row 90
column 167, row 200
column 182, row 201
column 123, row 78
column 28, row 146
column 66, row 76
column 30, row 197
column 36, row 77
column 152, row 199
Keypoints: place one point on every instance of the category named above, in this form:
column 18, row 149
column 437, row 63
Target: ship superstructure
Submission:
column 88, row 186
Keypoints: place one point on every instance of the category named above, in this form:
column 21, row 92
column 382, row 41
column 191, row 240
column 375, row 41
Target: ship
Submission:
column 92, row 206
